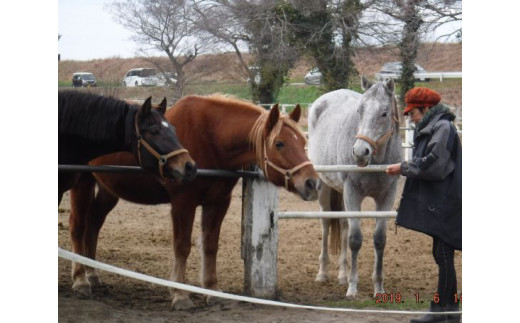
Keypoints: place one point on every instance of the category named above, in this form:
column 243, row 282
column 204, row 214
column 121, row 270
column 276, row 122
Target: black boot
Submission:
column 452, row 318
column 429, row 318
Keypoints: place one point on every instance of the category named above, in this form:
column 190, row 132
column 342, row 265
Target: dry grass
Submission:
column 433, row 57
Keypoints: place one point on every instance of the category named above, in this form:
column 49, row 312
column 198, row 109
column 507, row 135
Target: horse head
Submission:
column 158, row 147
column 378, row 120
column 280, row 149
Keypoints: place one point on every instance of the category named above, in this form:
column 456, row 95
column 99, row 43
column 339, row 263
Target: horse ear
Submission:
column 272, row 119
column 390, row 85
column 145, row 108
column 365, row 83
column 162, row 106
column 296, row 113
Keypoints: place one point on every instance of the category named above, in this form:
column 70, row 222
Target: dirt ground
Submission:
column 138, row 237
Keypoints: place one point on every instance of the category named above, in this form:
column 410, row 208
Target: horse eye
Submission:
column 279, row 144
column 384, row 114
column 153, row 130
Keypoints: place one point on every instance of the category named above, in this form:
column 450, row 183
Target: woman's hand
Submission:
column 394, row 169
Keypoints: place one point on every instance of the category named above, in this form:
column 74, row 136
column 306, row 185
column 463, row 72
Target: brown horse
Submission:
column 220, row 133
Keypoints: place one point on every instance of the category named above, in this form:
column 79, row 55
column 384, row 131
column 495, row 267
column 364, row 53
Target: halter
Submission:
column 381, row 141
column 375, row 144
column 163, row 159
column 286, row 172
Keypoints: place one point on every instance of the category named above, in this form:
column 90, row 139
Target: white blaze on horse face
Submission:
column 164, row 123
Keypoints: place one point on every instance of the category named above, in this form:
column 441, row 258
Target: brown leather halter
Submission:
column 375, row 144
column 163, row 159
column 287, row 173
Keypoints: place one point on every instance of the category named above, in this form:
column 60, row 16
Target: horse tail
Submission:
column 336, row 204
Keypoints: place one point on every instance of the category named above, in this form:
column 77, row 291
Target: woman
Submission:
column 432, row 196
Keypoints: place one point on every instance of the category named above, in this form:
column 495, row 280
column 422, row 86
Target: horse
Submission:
column 346, row 127
column 91, row 125
column 230, row 134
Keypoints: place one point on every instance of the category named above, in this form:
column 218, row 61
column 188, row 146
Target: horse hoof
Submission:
column 82, row 288
column 94, row 280
column 343, row 280
column 182, row 304
column 351, row 294
column 322, row 278
column 380, row 292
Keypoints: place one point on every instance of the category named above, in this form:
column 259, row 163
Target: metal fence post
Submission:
column 260, row 238
column 408, row 139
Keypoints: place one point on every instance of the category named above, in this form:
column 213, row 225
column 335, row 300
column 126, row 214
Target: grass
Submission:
column 289, row 93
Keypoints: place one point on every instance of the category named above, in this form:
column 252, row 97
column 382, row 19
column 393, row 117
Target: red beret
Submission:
column 420, row 97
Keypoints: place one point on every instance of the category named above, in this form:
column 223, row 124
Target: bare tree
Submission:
column 162, row 26
column 328, row 31
column 410, row 21
column 260, row 27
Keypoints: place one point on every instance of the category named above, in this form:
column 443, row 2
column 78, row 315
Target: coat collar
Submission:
column 432, row 116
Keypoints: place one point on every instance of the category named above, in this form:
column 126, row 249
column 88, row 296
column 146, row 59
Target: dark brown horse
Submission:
column 91, row 125
column 220, row 133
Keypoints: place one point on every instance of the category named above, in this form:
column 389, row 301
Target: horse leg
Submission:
column 212, row 217
column 81, row 199
column 342, row 259
column 324, row 194
column 183, row 214
column 102, row 205
column 380, row 242
column 352, row 201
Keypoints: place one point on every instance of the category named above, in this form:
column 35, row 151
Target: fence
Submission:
column 260, row 232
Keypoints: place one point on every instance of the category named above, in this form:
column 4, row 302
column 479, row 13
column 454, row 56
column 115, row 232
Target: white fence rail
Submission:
column 423, row 76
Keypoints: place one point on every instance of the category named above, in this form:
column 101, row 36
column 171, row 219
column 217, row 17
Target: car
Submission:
column 393, row 69
column 83, row 79
column 313, row 77
column 162, row 77
column 141, row 77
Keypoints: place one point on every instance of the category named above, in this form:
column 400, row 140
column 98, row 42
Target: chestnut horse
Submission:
column 220, row 133
column 91, row 125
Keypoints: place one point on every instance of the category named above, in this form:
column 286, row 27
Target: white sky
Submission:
column 89, row 32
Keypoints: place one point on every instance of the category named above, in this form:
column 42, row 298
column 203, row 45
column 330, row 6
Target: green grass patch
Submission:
column 407, row 305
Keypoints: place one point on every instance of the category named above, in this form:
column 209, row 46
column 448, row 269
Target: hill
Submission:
column 433, row 57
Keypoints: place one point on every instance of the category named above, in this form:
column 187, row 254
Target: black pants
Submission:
column 447, row 285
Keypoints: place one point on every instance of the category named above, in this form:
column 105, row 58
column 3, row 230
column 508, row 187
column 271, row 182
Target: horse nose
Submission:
column 310, row 184
column 191, row 170
column 366, row 152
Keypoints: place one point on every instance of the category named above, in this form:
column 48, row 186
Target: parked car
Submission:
column 141, row 77
column 393, row 69
column 313, row 77
column 83, row 79
column 162, row 77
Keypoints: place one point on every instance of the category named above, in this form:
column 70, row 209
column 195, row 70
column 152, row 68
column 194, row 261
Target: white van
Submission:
column 140, row 77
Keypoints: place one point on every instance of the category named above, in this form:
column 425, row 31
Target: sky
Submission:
column 89, row 32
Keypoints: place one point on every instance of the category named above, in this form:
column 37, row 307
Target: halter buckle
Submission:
column 162, row 160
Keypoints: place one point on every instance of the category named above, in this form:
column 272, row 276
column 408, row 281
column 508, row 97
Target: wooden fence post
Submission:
column 260, row 238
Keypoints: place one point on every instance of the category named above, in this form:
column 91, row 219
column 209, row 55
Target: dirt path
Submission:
column 138, row 237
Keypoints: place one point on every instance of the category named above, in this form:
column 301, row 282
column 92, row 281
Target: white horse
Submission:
column 346, row 127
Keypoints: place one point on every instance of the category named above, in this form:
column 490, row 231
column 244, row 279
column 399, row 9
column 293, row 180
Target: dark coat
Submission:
column 432, row 195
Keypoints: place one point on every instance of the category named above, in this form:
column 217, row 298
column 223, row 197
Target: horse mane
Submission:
column 94, row 117
column 256, row 136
